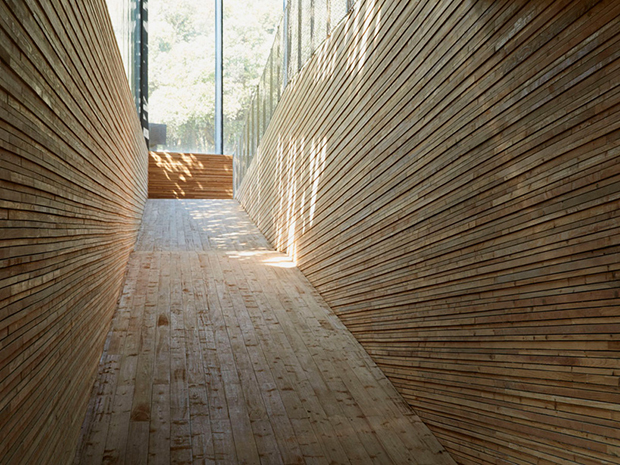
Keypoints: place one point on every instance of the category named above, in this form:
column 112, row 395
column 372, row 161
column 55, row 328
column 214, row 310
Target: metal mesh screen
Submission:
column 304, row 27
column 337, row 11
column 320, row 22
column 293, row 38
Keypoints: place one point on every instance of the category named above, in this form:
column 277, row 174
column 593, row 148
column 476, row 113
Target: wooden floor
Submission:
column 222, row 352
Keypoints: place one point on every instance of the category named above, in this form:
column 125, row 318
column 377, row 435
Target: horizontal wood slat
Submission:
column 190, row 176
column 73, row 183
column 447, row 175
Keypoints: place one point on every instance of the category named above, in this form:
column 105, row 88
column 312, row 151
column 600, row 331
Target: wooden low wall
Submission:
column 73, row 173
column 190, row 176
column 447, row 175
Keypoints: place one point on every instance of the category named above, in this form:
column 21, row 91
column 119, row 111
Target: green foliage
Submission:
column 182, row 66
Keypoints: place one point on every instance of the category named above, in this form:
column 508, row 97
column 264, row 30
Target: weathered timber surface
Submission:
column 222, row 352
column 190, row 176
column 73, row 167
column 447, row 175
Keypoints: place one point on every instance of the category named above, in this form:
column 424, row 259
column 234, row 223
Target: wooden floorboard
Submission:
column 222, row 352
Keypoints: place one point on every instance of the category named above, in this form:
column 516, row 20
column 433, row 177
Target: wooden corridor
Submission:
column 222, row 352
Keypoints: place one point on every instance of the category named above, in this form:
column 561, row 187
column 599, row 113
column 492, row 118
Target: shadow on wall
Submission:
column 189, row 176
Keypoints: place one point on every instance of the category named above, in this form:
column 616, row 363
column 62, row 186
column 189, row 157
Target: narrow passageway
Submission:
column 222, row 352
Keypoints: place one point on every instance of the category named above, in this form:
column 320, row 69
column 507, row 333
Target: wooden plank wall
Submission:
column 190, row 176
column 447, row 174
column 73, row 183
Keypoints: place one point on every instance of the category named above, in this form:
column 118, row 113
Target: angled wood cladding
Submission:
column 447, row 174
column 73, row 170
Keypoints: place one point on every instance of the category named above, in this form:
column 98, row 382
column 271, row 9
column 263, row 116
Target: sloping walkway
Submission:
column 222, row 352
